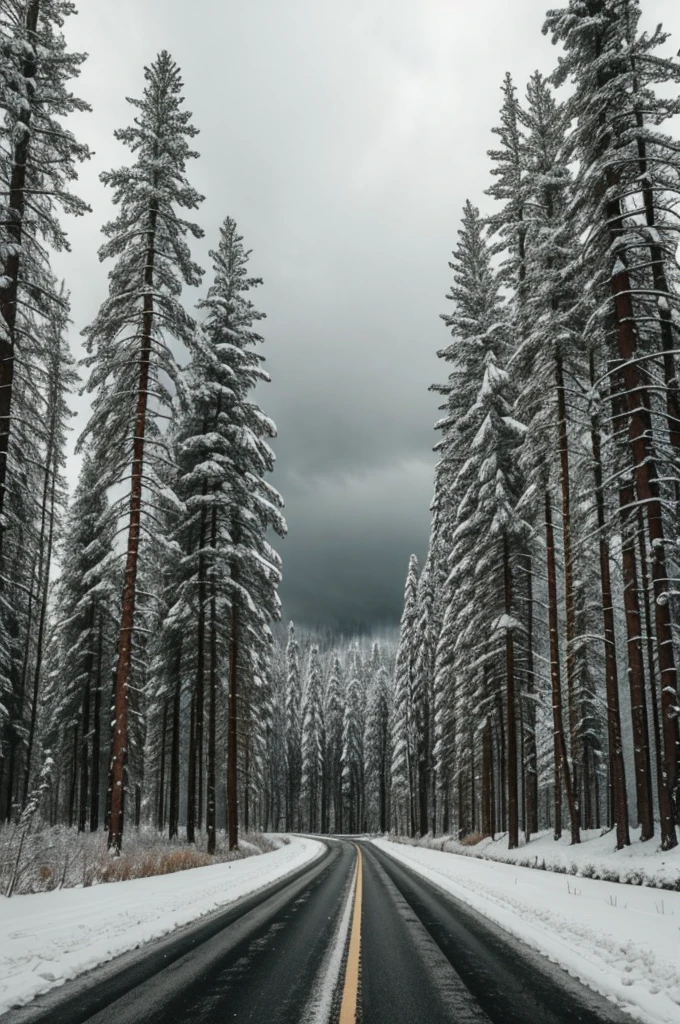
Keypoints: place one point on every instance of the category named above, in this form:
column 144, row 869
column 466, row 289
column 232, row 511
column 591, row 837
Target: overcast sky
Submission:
column 343, row 136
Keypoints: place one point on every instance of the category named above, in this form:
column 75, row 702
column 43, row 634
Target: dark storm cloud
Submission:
column 344, row 137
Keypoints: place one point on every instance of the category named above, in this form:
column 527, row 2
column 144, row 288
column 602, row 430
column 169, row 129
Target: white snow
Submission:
column 48, row 938
column 621, row 940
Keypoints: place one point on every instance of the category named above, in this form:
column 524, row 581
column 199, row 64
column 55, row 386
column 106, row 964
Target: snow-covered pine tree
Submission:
column 423, row 696
column 293, row 730
column 548, row 361
column 377, row 751
column 60, row 379
column 628, row 171
column 231, row 460
column 85, row 637
column 403, row 725
column 333, row 720
column 312, row 744
column 352, row 744
column 38, row 160
column 130, row 355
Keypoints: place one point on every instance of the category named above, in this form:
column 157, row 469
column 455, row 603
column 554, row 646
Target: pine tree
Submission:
column 616, row 115
column 403, row 725
column 234, row 459
column 312, row 743
column 38, row 160
column 293, row 730
column 129, row 348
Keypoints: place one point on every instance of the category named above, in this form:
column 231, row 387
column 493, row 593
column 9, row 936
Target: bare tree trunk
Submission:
column 488, row 815
column 73, row 788
column 665, row 805
column 47, row 517
column 211, row 815
column 160, row 812
column 647, row 490
column 232, row 739
column 573, row 697
column 513, row 810
column 173, row 815
column 636, row 670
column 562, row 774
column 611, row 671
column 84, row 757
column 120, row 729
column 530, row 757
column 195, row 773
column 11, row 270
column 97, row 731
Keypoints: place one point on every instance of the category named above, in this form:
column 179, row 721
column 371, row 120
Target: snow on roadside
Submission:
column 620, row 940
column 48, row 938
column 594, row 857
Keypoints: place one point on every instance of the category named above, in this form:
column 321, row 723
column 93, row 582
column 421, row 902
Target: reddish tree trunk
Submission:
column 173, row 815
column 96, row 733
column 84, row 757
column 611, row 673
column 562, row 774
column 123, row 669
column 572, row 696
column 160, row 811
column 513, row 813
column 9, row 295
column 647, row 490
column 636, row 670
column 232, row 736
column 530, row 759
column 211, row 815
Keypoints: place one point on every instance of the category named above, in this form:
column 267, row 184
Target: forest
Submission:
column 146, row 677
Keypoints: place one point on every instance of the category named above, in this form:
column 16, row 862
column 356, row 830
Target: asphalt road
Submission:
column 292, row 957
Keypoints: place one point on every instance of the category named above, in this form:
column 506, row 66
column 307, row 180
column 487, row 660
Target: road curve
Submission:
column 354, row 937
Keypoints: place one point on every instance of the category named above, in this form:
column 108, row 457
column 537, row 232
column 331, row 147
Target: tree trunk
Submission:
column 160, row 812
column 84, row 757
column 611, row 671
column 9, row 294
column 636, row 670
column 191, row 774
column 73, row 788
column 665, row 805
column 232, row 751
column 572, row 696
column 562, row 774
column 211, row 812
column 173, row 815
column 530, row 757
column 513, row 811
column 97, row 732
column 647, row 490
column 120, row 729
column 195, row 773
column 42, row 591
column 488, row 824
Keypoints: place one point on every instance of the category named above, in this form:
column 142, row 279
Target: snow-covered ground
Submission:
column 621, row 940
column 48, row 938
column 595, row 856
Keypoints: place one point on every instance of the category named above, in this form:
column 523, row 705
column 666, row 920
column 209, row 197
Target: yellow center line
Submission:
column 350, row 994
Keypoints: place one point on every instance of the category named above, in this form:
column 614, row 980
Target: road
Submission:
column 355, row 937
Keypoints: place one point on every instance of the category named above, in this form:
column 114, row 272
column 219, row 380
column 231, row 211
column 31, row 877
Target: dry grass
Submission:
column 472, row 839
column 61, row 857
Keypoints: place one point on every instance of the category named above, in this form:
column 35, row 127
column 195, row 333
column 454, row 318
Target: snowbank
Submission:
column 48, row 938
column 595, row 857
column 620, row 940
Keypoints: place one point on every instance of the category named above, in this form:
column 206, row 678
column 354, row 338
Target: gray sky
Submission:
column 343, row 136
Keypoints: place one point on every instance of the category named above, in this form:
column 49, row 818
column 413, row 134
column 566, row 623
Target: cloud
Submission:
column 344, row 137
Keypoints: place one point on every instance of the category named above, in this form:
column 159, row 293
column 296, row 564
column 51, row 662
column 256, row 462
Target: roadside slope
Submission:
column 620, row 940
column 48, row 938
